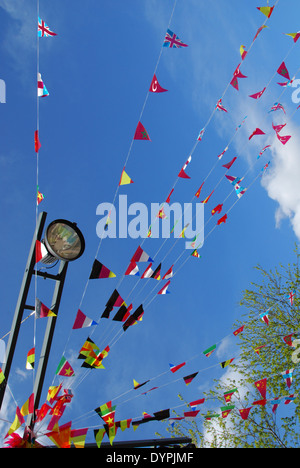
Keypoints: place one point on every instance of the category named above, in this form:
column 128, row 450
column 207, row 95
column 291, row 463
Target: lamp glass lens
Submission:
column 64, row 241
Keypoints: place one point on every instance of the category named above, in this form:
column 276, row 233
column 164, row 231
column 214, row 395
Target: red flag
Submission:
column 37, row 143
column 258, row 95
column 283, row 139
column 245, row 412
column 155, row 86
column 261, row 386
column 283, row 71
column 197, row 194
column 217, row 209
column 222, row 220
column 141, row 133
column 228, row 165
column 257, row 131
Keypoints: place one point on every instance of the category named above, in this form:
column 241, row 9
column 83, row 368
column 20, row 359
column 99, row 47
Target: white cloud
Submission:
column 282, row 179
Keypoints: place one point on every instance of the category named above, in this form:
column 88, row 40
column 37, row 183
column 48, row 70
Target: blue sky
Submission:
column 98, row 71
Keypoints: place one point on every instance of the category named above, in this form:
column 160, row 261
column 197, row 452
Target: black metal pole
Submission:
column 49, row 332
column 14, row 332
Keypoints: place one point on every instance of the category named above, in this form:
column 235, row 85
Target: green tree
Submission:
column 265, row 426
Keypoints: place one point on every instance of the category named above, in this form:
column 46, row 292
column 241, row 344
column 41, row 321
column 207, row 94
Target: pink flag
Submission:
column 155, row 86
column 257, row 131
column 258, row 95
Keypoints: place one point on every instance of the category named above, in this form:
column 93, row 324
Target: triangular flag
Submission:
column 226, row 363
column 173, row 41
column 164, row 288
column 261, row 386
column 210, row 350
column 30, row 359
column 125, row 179
column 182, row 173
column 40, row 251
column 148, row 272
column 197, row 194
column 283, row 71
column 168, row 274
column 295, row 36
column 82, row 321
column 257, row 131
column 177, row 367
column 267, row 11
column 243, row 52
column 64, row 368
column 222, row 220
column 18, row 421
column 137, row 385
column 188, row 379
column 42, row 90
column 141, row 133
column 288, row 375
column 132, row 270
column 43, row 29
column 283, row 139
column 28, row 407
column 217, row 209
column 78, row 437
column 156, row 273
column 258, row 95
column 245, row 412
column 228, row 165
column 155, row 86
column 42, row 311
column 100, row 271
column 141, row 256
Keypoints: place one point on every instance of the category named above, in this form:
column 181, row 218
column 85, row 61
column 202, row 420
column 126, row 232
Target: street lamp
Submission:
column 62, row 242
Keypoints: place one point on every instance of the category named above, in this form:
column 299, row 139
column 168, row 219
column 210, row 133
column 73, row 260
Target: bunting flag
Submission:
column 44, row 30
column 226, row 363
column 53, row 392
column 222, row 220
column 137, row 385
column 87, row 347
column 263, row 150
column 195, row 253
column 42, row 90
column 201, row 133
column 141, row 256
column 288, row 376
column 28, row 407
column 257, row 95
column 141, row 133
column 115, row 300
column 125, row 179
column 190, row 415
column 107, row 413
column 100, row 271
column 267, row 11
column 228, row 165
column 155, row 86
column 2, row 377
column 277, row 106
column 42, row 311
column 156, row 273
column 39, row 197
column 207, row 198
column 291, row 296
column 37, row 144
column 148, row 272
column 257, row 131
column 42, row 412
column 64, row 368
column 283, row 139
column 181, row 235
column 243, row 52
column 40, row 251
column 295, row 36
column 197, row 194
column 123, row 313
column 132, row 270
column 82, row 321
column 188, row 379
column 173, row 41
column 133, row 318
column 278, row 128
column 239, row 330
column 164, row 289
column 226, row 410
column 177, row 367
column 220, row 107
column 99, row 434
column 257, row 350
column 169, row 273
column 208, row 352
column 169, row 196
column 17, row 422
column 261, row 386
column 259, row 31
column 161, row 214
column 62, row 436
column 182, row 173
column 217, row 209
column 197, row 402
column 283, row 71
column 288, row 339
column 220, row 156
column 227, row 395
column 30, row 359
column 237, row 74
column 245, row 413
column 78, row 437
column 265, row 317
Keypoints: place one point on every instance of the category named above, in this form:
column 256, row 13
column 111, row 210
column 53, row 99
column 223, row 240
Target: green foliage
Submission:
column 263, row 428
